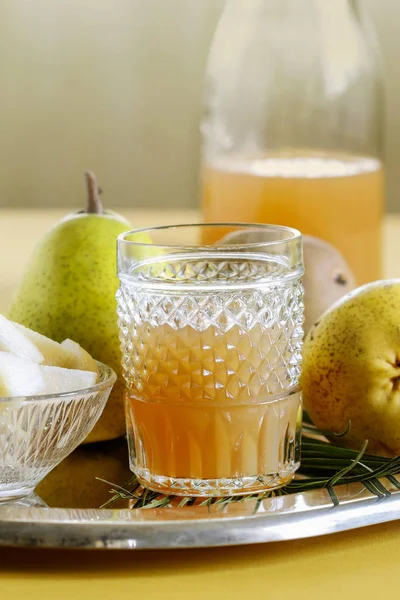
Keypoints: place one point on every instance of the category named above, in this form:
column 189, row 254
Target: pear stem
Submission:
column 94, row 204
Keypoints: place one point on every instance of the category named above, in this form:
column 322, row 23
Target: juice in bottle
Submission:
column 336, row 197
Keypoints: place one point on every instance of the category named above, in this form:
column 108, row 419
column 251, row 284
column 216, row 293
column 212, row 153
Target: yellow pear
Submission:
column 351, row 368
column 327, row 278
column 73, row 483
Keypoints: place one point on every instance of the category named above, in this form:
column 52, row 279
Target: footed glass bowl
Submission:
column 38, row 432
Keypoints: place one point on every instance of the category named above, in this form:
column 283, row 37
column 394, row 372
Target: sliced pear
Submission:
column 13, row 340
column 54, row 354
column 78, row 357
column 19, row 376
column 58, row 380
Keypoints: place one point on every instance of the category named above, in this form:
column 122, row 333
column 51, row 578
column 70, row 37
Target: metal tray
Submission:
column 275, row 519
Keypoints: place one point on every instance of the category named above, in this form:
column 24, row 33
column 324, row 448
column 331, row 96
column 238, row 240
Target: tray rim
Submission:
column 281, row 518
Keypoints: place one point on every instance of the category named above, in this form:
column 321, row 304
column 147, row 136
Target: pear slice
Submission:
column 58, row 380
column 12, row 340
column 54, row 355
column 19, row 376
column 78, row 357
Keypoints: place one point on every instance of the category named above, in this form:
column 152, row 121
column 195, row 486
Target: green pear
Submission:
column 351, row 369
column 68, row 291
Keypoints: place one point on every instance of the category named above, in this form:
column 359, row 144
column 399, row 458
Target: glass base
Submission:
column 213, row 487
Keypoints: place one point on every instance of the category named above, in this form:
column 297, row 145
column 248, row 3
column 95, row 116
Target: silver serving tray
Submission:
column 275, row 519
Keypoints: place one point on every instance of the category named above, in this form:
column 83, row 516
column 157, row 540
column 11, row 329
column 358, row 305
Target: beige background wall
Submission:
column 115, row 86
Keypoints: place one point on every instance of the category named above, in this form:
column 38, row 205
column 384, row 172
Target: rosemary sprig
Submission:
column 323, row 465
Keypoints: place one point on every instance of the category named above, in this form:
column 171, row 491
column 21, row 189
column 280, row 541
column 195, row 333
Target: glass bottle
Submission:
column 293, row 124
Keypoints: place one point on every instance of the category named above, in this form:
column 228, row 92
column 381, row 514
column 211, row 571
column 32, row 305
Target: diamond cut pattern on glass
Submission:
column 217, row 346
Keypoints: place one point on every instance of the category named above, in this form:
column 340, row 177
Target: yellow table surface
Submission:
column 361, row 563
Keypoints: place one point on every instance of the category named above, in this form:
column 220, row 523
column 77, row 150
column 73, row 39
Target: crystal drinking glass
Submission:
column 211, row 341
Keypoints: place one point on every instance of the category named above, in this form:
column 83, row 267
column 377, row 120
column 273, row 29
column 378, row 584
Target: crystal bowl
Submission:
column 38, row 432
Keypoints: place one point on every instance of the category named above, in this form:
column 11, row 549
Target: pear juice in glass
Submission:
column 211, row 339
